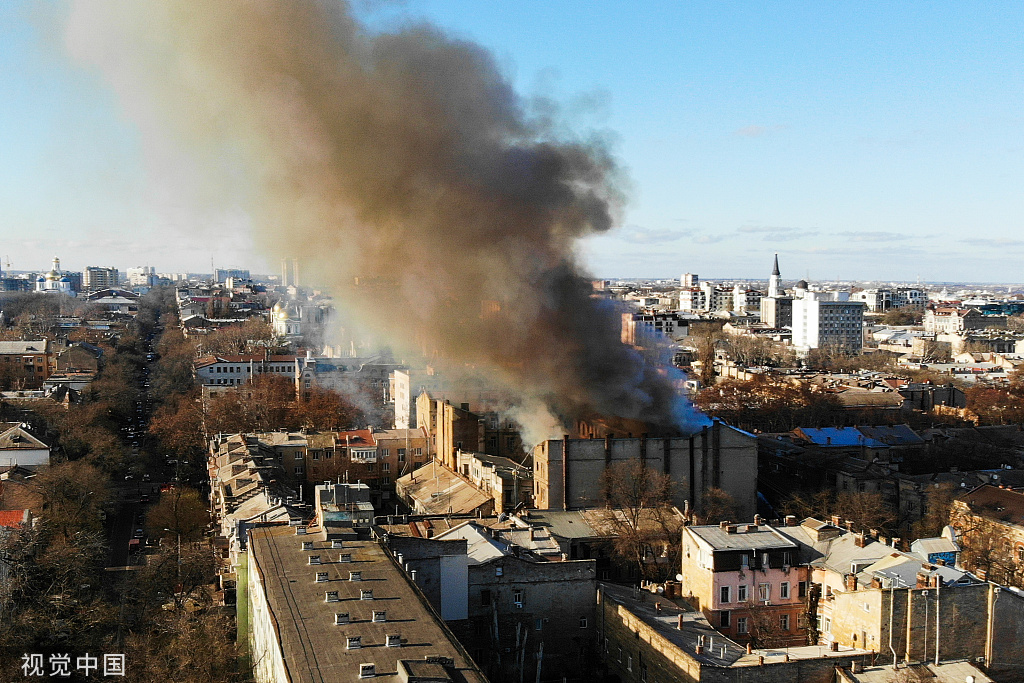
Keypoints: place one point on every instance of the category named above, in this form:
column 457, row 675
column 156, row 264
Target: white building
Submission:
column 827, row 320
column 691, row 299
column 141, row 276
column 745, row 299
column 716, row 298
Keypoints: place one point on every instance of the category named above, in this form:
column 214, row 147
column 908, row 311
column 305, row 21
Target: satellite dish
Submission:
column 661, row 590
column 679, row 577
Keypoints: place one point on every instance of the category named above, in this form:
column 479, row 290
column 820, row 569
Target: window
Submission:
column 385, row 467
column 385, row 452
column 485, row 598
column 725, row 594
column 801, row 589
column 538, row 624
column 741, row 593
column 419, row 451
column 643, row 673
column 784, row 622
column 517, row 597
column 1020, row 553
column 741, row 625
column 723, row 619
column 583, row 622
column 620, row 654
column 316, row 455
column 401, row 455
column 629, row 663
column 764, row 592
column 298, row 455
column 787, row 559
column 386, row 481
column 744, row 561
column 784, row 590
column 300, row 470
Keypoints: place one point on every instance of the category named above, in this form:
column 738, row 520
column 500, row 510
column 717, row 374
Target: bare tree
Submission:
column 645, row 523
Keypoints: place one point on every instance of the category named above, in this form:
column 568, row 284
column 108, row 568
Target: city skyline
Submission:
column 831, row 138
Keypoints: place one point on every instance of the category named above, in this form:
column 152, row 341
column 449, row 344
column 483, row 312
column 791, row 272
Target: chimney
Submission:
column 851, row 582
column 758, row 520
column 849, row 525
column 896, row 542
column 922, row 580
column 657, row 607
column 790, row 520
column 836, row 521
column 876, row 582
column 834, row 646
column 940, row 562
column 860, row 540
column 731, row 529
column 874, row 534
column 723, row 525
column 883, row 540
column 679, row 621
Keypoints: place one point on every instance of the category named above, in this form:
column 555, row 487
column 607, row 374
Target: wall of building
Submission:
column 555, row 594
column 264, row 646
column 719, row 456
column 441, row 571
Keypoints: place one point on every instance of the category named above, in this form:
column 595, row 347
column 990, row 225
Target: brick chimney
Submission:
column 851, row 582
column 860, row 540
column 790, row 520
column 922, row 580
column 758, row 520
column 836, row 520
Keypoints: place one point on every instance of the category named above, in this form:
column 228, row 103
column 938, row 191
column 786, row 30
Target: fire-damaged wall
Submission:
column 567, row 472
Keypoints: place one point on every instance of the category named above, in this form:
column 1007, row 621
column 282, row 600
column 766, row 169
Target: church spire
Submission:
column 775, row 270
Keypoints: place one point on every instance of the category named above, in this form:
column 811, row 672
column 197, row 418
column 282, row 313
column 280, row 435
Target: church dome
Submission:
column 802, row 284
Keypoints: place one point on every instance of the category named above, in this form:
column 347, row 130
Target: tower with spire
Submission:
column 774, row 280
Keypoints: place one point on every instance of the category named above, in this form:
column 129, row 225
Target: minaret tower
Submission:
column 773, row 281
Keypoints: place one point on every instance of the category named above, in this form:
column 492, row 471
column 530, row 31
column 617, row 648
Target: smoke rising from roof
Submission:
column 401, row 169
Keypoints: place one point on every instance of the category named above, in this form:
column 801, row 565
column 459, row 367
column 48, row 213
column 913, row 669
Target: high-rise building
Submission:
column 827, row 320
column 222, row 274
column 141, row 276
column 95, row 278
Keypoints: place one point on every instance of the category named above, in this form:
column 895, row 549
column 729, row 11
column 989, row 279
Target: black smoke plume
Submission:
column 402, row 170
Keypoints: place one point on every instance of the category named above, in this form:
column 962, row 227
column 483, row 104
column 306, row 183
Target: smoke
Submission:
column 404, row 173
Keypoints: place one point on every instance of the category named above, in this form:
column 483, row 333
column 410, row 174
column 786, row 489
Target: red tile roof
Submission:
column 13, row 518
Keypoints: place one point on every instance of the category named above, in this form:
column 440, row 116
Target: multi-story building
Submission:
column 692, row 299
column 748, row 581
column 874, row 299
column 223, row 274
column 141, row 276
column 567, row 473
column 689, row 280
column 746, row 299
column 26, row 364
column 827, row 320
column 370, row 377
column 647, row 328
column 240, row 369
column 95, row 278
column 357, row 614
column 716, row 298
column 949, row 319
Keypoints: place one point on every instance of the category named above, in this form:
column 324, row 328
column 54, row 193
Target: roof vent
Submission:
column 307, row 545
column 380, row 615
column 314, row 559
column 367, row 670
column 321, row 577
column 366, row 594
column 299, row 530
column 345, row 557
column 353, row 642
column 355, row 576
column 340, row 618
column 336, row 543
column 332, row 596
column 393, row 641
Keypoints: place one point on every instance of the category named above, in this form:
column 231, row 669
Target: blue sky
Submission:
column 859, row 140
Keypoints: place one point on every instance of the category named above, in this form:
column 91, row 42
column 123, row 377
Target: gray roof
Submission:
column 14, row 347
column 314, row 648
column 563, row 523
column 763, row 538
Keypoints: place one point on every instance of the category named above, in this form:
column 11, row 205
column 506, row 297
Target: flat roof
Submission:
column 314, row 648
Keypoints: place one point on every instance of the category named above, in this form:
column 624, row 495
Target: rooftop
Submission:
column 745, row 537
column 314, row 647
